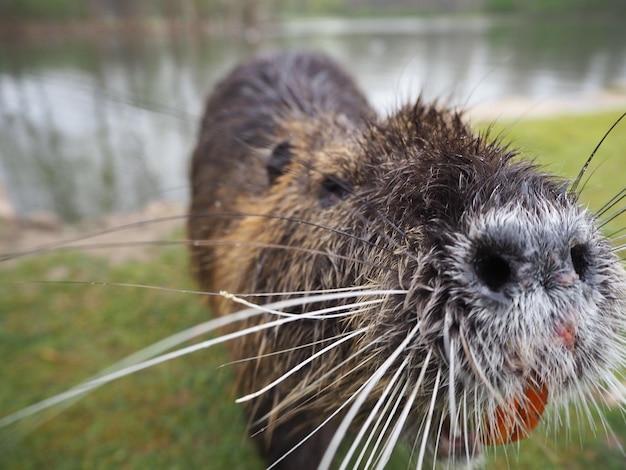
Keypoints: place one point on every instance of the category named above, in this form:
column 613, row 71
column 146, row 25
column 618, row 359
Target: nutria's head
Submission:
column 507, row 296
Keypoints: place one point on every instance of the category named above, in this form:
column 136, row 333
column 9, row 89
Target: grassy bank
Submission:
column 182, row 414
column 562, row 144
column 177, row 415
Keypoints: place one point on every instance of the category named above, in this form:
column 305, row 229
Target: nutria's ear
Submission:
column 280, row 157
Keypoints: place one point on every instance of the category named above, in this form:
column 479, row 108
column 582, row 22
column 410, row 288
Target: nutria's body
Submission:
column 496, row 281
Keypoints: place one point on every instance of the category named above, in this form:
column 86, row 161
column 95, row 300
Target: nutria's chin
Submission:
column 498, row 294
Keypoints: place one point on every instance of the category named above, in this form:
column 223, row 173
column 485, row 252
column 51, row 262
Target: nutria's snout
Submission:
column 533, row 279
column 529, row 306
column 501, row 270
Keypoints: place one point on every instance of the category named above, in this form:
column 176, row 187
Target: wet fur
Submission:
column 298, row 186
column 281, row 203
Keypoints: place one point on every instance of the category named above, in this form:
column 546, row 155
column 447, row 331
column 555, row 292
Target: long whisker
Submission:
column 363, row 394
column 451, row 389
column 574, row 187
column 287, row 350
column 144, row 243
column 395, row 435
column 477, row 370
column 335, row 294
column 466, row 430
column 392, row 439
column 395, row 400
column 429, row 418
column 318, row 314
column 135, row 360
column 608, row 429
column 62, row 245
column 588, row 412
column 437, row 439
column 288, row 401
column 116, row 97
column 295, row 220
column 610, row 217
column 354, row 289
column 300, row 365
column 146, row 357
column 324, row 423
column 57, row 245
column 379, row 403
column 515, row 417
column 611, row 203
column 478, row 418
column 326, row 254
column 614, row 240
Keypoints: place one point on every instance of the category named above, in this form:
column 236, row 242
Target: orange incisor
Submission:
column 516, row 419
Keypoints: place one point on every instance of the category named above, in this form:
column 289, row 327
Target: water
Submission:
column 88, row 128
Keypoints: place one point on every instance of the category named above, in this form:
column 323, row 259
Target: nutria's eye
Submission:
column 492, row 269
column 580, row 259
column 333, row 190
column 281, row 156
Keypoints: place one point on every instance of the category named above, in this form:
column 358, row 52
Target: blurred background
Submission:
column 100, row 99
column 99, row 106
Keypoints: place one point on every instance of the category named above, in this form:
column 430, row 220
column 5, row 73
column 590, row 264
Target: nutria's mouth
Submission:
column 512, row 421
column 515, row 419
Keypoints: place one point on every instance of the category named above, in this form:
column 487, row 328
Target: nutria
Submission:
column 463, row 288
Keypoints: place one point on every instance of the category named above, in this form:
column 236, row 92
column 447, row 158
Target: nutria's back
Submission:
column 463, row 289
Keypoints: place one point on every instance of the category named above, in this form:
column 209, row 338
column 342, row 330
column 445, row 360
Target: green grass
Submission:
column 563, row 144
column 182, row 414
column 176, row 415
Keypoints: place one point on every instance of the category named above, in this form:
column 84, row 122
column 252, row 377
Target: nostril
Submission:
column 492, row 269
column 580, row 259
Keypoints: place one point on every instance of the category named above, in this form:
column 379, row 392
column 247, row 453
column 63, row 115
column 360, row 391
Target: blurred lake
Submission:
column 93, row 127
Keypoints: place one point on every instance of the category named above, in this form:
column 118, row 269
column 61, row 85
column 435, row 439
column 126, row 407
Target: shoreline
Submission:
column 519, row 107
column 23, row 236
column 23, row 233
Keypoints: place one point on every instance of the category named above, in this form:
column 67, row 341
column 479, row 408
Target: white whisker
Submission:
column 451, row 390
column 477, row 370
column 438, row 440
column 137, row 358
column 300, row 365
column 588, row 413
column 366, row 424
column 394, row 402
column 466, row 429
column 287, row 350
column 363, row 393
column 314, row 386
column 354, row 289
column 317, row 315
column 403, row 416
column 326, row 421
column 608, row 429
column 146, row 357
column 429, row 418
column 374, row 455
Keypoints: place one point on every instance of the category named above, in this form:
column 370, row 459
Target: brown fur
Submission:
column 298, row 186
column 230, row 168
